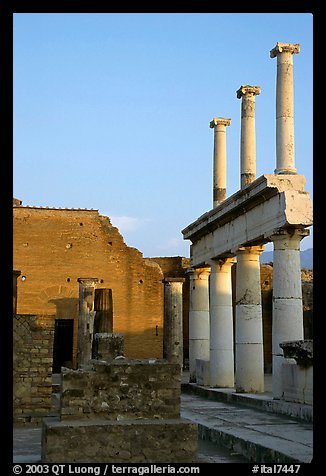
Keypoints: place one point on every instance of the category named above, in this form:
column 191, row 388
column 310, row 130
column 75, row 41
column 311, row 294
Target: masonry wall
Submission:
column 55, row 247
column 122, row 390
column 32, row 367
column 125, row 411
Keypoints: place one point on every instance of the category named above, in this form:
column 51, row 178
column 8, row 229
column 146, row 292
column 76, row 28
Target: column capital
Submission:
column 253, row 250
column 223, row 261
column 194, row 273
column 219, row 121
column 291, row 237
column 248, row 91
column 293, row 48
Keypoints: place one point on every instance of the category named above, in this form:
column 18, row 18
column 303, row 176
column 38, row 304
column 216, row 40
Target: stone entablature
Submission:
column 250, row 216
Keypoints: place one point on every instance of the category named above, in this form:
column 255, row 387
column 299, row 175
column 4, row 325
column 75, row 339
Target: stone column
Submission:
column 103, row 305
column 285, row 163
column 85, row 319
column 219, row 163
column 221, row 324
column 173, row 321
column 248, row 133
column 287, row 297
column 198, row 318
column 249, row 373
column 15, row 277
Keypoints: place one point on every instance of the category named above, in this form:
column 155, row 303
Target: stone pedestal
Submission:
column 107, row 346
column 221, row 324
column 198, row 318
column 297, row 371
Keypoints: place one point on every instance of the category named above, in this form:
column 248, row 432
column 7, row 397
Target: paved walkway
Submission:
column 260, row 436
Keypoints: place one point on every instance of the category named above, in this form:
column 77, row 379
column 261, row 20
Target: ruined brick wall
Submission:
column 55, row 247
column 122, row 390
column 32, row 367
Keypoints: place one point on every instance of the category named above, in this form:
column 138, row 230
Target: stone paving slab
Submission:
column 260, row 436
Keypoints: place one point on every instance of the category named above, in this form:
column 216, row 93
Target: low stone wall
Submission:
column 124, row 411
column 142, row 441
column 32, row 367
column 123, row 389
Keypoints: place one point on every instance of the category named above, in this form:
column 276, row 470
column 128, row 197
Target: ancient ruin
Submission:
column 120, row 329
column 120, row 410
column 271, row 208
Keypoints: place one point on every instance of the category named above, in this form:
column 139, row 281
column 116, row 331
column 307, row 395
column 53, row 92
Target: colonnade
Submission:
column 211, row 327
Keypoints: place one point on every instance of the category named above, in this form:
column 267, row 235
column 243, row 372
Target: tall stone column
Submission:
column 249, row 373
column 85, row 319
column 173, row 320
column 221, row 324
column 248, row 133
column 219, row 163
column 285, row 163
column 287, row 297
column 16, row 273
column 198, row 318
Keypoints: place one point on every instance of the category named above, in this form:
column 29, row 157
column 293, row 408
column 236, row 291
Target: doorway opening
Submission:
column 63, row 344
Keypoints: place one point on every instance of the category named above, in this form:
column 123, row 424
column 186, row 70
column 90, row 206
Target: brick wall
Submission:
column 54, row 247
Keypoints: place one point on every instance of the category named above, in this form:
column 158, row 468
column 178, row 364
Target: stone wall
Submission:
column 124, row 411
column 32, row 367
column 121, row 390
column 146, row 441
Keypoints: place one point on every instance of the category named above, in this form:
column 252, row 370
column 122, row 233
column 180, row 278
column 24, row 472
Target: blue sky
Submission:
column 112, row 112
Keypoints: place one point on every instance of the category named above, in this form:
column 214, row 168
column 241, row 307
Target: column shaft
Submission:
column 248, row 133
column 221, row 325
column 198, row 318
column 249, row 375
column 287, row 298
column 173, row 320
column 219, row 161
column 85, row 319
column 285, row 161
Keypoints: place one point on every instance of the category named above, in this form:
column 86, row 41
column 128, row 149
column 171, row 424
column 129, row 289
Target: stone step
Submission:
column 263, row 401
column 260, row 436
